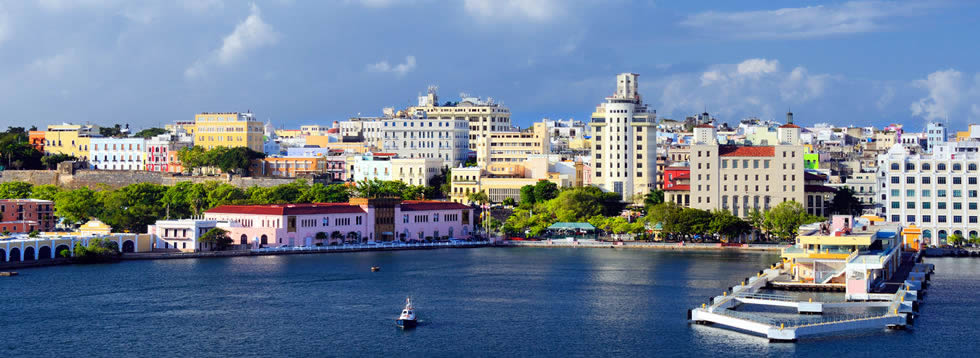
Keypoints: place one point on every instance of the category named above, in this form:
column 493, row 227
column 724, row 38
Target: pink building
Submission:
column 359, row 221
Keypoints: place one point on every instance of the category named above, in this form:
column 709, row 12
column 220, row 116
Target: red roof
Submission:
column 383, row 154
column 704, row 126
column 679, row 188
column 288, row 209
column 422, row 205
column 789, row 125
column 746, row 151
column 333, row 130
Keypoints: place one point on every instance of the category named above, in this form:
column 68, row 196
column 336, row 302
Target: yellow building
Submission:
column 69, row 139
column 289, row 167
column 229, row 130
column 356, row 147
column 512, row 147
column 466, row 181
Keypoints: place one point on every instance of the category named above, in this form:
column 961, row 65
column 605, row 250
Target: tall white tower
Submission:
column 624, row 142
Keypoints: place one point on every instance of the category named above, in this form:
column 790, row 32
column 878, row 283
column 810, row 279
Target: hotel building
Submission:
column 443, row 138
column 229, row 130
column 937, row 192
column 512, row 146
column 483, row 116
column 624, row 145
column 117, row 153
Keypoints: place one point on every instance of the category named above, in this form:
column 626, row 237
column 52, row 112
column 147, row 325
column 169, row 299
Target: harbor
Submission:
column 866, row 275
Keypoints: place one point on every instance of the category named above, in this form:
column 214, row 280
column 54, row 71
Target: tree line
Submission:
column 133, row 207
column 236, row 160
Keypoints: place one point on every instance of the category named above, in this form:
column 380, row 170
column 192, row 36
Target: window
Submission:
column 941, row 218
column 895, row 218
column 971, row 180
column 405, row 219
column 941, row 166
column 926, row 218
column 972, row 206
column 926, row 193
column 895, row 180
column 941, row 180
column 973, row 219
column 909, row 180
column 895, row 192
column 957, row 180
column 957, row 206
column 896, row 205
column 926, row 166
column 926, row 180
column 957, row 193
column 724, row 164
column 971, row 167
column 957, row 219
column 909, row 166
column 910, row 193
column 927, row 205
column 910, row 218
column 957, row 166
column 941, row 205
column 910, row 205
column 894, row 166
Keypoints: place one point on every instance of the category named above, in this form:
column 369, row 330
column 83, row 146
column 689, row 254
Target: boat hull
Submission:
column 406, row 323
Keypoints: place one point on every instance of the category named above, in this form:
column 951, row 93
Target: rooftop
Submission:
column 746, row 151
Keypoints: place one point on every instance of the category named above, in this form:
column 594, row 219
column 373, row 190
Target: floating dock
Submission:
column 899, row 309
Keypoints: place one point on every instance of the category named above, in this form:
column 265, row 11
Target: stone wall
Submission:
column 113, row 179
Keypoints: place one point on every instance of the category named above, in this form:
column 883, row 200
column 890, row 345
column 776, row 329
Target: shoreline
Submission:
column 646, row 246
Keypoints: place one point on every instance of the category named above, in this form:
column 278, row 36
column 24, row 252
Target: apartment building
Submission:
column 231, row 130
column 512, row 146
column 161, row 151
column 482, row 116
column 740, row 178
column 117, row 153
column 624, row 145
column 289, row 167
column 500, row 184
column 69, row 139
column 387, row 166
column 937, row 192
column 26, row 215
column 443, row 138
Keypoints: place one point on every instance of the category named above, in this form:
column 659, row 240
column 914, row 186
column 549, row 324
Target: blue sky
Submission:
column 147, row 63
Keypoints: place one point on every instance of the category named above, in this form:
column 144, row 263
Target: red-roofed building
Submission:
column 359, row 221
column 741, row 178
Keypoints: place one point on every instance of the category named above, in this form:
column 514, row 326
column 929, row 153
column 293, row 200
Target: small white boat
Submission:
column 407, row 318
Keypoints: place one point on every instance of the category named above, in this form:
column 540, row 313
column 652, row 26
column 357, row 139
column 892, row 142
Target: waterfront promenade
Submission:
column 643, row 245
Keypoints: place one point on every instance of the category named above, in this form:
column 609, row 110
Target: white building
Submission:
column 624, row 145
column 937, row 192
column 443, row 138
column 386, row 166
column 117, row 153
column 935, row 134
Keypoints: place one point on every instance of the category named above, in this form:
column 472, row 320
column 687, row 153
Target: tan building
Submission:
column 624, row 145
column 187, row 126
column 484, row 116
column 512, row 147
column 741, row 178
column 70, row 139
column 229, row 130
column 498, row 187
column 289, row 167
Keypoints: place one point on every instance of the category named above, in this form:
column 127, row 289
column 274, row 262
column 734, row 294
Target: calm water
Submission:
column 475, row 302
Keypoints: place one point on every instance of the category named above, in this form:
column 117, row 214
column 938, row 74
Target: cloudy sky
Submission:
column 296, row 62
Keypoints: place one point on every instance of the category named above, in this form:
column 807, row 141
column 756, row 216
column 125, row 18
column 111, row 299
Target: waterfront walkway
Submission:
column 643, row 245
column 306, row 250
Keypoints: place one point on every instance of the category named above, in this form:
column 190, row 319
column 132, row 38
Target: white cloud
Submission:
column 399, row 69
column 250, row 34
column 55, row 65
column 887, row 95
column 948, row 94
column 4, row 20
column 802, row 22
column 512, row 10
column 751, row 87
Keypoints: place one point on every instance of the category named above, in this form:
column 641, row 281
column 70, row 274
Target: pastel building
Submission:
column 117, row 153
column 358, row 221
column 230, row 130
column 161, row 151
column 26, row 215
column 69, row 139
column 386, row 166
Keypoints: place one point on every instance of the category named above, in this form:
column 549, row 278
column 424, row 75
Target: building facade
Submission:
column 624, row 143
column 117, row 153
column 69, row 139
column 512, row 146
column 482, row 116
column 937, row 192
column 230, row 130
column 387, row 166
column 161, row 151
column 442, row 138
column 26, row 215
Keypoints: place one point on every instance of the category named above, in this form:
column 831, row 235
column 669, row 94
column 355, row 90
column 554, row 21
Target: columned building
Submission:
column 624, row 146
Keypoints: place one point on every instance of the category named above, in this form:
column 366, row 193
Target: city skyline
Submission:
column 151, row 63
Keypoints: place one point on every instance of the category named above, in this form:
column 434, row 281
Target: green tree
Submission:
column 478, row 197
column 15, row 190
column 113, row 131
column 319, row 193
column 545, row 190
column 76, row 206
column 133, row 207
column 44, row 192
column 216, row 238
column 97, row 250
column 51, row 162
column 786, row 218
column 17, row 152
column 653, row 198
column 845, row 203
column 509, row 201
column 726, row 225
column 150, row 133
column 226, row 194
column 956, row 239
column 527, row 196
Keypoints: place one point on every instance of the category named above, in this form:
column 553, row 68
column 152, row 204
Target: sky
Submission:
column 147, row 63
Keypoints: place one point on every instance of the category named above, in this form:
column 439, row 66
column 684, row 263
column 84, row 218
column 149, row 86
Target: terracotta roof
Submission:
column 789, row 125
column 818, row 189
column 384, row 154
column 333, row 130
column 679, row 188
column 704, row 126
column 746, row 151
column 288, row 209
column 422, row 205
